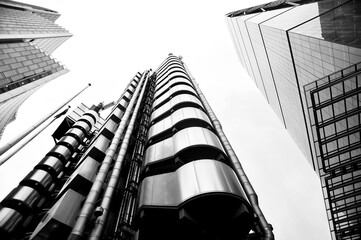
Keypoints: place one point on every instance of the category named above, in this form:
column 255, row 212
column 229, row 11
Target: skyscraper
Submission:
column 160, row 167
column 304, row 56
column 28, row 35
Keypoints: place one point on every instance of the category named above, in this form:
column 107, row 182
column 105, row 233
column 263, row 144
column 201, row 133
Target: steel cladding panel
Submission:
column 182, row 98
column 171, row 91
column 191, row 180
column 177, row 72
column 188, row 137
column 176, row 80
column 175, row 117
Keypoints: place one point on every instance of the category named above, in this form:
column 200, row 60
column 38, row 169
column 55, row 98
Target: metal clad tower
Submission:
column 159, row 167
column 28, row 35
column 304, row 56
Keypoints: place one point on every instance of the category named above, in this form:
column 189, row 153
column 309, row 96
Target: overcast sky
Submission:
column 113, row 40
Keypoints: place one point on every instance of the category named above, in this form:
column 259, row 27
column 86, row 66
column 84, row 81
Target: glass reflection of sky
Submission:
column 341, row 25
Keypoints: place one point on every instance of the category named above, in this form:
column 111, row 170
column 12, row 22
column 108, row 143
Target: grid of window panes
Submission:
column 15, row 21
column 335, row 115
column 49, row 44
column 22, row 63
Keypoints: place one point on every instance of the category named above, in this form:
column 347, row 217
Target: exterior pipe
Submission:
column 130, row 192
column 89, row 204
column 100, row 221
column 5, row 157
column 15, row 140
column 235, row 163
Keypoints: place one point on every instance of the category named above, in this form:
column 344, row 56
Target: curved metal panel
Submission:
column 88, row 118
column 94, row 114
column 60, row 151
column 193, row 136
column 189, row 181
column 77, row 132
column 38, row 179
column 170, row 69
column 52, row 165
column 171, row 82
column 175, row 117
column 165, row 79
column 166, row 62
column 69, row 141
column 24, row 195
column 83, row 125
column 9, row 219
column 172, row 91
column 174, row 101
column 169, row 63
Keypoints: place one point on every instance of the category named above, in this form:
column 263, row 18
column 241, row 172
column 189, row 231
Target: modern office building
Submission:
column 304, row 56
column 28, row 35
column 158, row 167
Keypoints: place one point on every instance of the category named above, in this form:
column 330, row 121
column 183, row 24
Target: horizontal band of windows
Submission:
column 345, row 208
column 169, row 66
column 177, row 115
column 170, row 83
column 165, row 63
column 198, row 177
column 171, row 94
column 169, row 69
column 181, row 139
column 345, row 196
column 330, row 166
column 25, row 80
column 162, row 77
column 168, row 62
column 169, row 132
column 175, row 108
column 334, row 182
column 170, row 77
column 175, row 103
column 193, row 193
column 186, row 155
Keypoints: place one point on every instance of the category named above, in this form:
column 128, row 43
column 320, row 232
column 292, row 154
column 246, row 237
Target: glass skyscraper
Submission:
column 28, row 35
column 304, row 56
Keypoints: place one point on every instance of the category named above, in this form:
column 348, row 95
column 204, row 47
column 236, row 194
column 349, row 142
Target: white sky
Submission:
column 115, row 39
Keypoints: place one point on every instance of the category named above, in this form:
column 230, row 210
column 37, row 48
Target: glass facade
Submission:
column 28, row 35
column 295, row 45
column 334, row 109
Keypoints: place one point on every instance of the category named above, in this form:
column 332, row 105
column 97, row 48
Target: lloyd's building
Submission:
column 158, row 167
column 305, row 58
